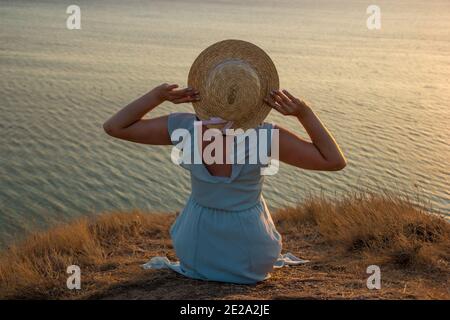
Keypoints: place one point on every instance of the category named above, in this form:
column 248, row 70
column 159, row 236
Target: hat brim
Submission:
column 234, row 49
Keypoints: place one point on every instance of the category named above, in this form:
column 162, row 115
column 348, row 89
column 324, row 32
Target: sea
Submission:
column 382, row 91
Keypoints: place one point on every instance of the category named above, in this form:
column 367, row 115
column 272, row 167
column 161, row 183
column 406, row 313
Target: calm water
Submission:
column 384, row 94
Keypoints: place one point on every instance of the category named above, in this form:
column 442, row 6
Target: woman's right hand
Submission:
column 322, row 153
column 168, row 92
column 287, row 104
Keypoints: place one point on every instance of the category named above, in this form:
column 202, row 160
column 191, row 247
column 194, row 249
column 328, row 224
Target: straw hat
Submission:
column 233, row 77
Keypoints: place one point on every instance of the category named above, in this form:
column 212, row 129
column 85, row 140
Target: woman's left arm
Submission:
column 128, row 124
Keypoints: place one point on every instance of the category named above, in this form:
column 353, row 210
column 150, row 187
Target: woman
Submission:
column 225, row 232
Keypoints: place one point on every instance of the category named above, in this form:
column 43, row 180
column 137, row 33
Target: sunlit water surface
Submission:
column 384, row 94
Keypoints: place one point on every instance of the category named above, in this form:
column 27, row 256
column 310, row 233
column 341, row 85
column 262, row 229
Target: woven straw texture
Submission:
column 233, row 77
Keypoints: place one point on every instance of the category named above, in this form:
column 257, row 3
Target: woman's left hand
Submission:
column 170, row 92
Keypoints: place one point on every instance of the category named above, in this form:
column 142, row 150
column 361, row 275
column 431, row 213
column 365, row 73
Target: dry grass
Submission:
column 36, row 267
column 340, row 237
column 384, row 226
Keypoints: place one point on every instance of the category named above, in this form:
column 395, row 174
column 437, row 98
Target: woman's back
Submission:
column 241, row 188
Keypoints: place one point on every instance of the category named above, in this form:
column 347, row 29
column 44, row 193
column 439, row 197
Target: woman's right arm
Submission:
column 128, row 123
column 322, row 153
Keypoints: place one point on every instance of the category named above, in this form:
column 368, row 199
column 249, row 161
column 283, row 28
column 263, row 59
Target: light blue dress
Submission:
column 225, row 232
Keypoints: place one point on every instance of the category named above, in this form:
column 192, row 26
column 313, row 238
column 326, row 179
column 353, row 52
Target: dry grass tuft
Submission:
column 36, row 267
column 110, row 247
column 383, row 225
